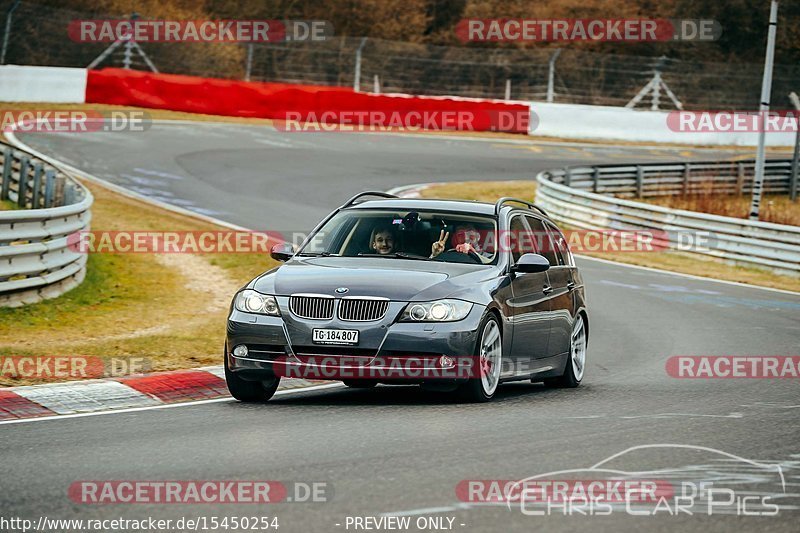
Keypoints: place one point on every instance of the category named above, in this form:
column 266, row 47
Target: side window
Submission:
column 516, row 228
column 561, row 247
column 541, row 240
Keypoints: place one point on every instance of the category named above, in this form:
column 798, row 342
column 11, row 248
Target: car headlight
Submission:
column 437, row 311
column 250, row 301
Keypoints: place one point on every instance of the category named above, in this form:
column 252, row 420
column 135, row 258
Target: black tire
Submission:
column 567, row 380
column 249, row 391
column 360, row 383
column 473, row 391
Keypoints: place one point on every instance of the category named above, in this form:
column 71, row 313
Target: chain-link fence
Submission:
column 523, row 74
column 38, row 36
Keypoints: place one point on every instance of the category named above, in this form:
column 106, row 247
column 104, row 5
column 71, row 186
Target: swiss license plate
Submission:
column 347, row 337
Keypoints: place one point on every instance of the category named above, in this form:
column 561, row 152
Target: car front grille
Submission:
column 312, row 307
column 362, row 309
column 351, row 309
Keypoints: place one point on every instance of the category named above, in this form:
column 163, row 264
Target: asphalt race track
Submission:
column 268, row 180
column 397, row 450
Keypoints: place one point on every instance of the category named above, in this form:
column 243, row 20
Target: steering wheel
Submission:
column 454, row 256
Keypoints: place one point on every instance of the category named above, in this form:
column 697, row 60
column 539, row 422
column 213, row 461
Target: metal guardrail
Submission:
column 659, row 179
column 580, row 197
column 36, row 262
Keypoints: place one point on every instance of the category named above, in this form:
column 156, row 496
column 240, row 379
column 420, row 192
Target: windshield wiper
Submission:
column 404, row 255
column 317, row 254
column 398, row 255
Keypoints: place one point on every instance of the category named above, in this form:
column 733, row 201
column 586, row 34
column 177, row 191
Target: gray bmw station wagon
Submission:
column 455, row 296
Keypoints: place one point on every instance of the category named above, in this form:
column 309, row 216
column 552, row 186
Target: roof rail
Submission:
column 506, row 199
column 352, row 200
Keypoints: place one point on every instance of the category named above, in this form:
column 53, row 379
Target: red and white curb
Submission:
column 410, row 191
column 147, row 390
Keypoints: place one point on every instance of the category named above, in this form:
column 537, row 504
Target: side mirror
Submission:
column 531, row 263
column 282, row 252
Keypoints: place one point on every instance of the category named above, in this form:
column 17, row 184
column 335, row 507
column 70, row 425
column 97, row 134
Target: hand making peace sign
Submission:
column 438, row 246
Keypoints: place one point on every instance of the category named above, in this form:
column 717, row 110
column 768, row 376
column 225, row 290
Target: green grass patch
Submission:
column 8, row 205
column 169, row 309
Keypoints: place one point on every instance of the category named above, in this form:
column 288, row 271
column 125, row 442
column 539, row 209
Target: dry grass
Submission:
column 8, row 205
column 482, row 191
column 666, row 260
column 168, row 308
column 776, row 208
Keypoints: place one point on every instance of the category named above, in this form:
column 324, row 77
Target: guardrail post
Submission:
column 8, row 161
column 58, row 197
column 37, row 185
column 357, row 75
column 248, row 68
column 22, row 186
column 740, row 178
column 551, row 76
column 639, row 181
column 796, row 155
column 687, row 174
column 49, row 187
column 795, row 164
column 567, row 176
column 596, row 180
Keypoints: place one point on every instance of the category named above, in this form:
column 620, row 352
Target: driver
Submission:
column 469, row 237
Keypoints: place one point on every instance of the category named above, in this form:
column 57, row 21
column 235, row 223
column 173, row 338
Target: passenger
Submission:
column 382, row 240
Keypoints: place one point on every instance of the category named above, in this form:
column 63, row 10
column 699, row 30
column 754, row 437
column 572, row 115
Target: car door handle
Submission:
column 571, row 285
column 547, row 289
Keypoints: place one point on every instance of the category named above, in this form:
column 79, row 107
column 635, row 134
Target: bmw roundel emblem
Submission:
column 342, row 290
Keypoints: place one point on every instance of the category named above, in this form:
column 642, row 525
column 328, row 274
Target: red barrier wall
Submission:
column 213, row 96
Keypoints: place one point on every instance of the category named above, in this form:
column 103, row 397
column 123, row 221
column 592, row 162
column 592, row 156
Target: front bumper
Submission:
column 387, row 349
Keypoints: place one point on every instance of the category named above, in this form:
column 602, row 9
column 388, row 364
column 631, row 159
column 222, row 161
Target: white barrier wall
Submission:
column 574, row 121
column 42, row 84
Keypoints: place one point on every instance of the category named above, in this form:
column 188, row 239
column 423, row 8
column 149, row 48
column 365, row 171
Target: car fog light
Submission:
column 446, row 362
column 240, row 351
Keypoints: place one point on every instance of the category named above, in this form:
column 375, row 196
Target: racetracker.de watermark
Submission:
column 203, row 492
column 617, row 30
column 734, row 366
column 62, row 121
column 370, row 121
column 58, row 367
column 774, row 121
column 168, row 242
column 414, row 368
column 563, row 490
column 198, row 31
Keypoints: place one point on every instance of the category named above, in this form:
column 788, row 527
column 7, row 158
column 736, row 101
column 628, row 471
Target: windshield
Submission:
column 419, row 235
